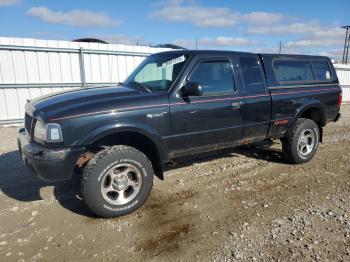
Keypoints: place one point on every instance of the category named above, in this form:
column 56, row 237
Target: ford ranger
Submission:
column 175, row 104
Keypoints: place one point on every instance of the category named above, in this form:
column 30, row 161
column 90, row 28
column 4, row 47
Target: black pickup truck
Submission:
column 175, row 104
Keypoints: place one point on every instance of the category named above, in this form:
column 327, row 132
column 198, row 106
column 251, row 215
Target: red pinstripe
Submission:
column 108, row 111
column 305, row 91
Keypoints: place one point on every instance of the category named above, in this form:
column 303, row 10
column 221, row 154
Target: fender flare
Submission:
column 128, row 126
column 311, row 104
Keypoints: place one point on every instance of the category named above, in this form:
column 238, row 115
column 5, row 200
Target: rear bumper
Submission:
column 50, row 164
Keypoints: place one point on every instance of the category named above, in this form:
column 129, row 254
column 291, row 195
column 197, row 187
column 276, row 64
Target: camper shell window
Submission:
column 301, row 71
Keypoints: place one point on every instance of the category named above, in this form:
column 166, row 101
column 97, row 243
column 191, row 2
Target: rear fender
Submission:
column 312, row 104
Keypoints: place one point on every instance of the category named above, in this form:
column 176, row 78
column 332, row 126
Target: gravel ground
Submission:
column 240, row 204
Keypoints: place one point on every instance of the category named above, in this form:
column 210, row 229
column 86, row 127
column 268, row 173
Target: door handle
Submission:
column 236, row 104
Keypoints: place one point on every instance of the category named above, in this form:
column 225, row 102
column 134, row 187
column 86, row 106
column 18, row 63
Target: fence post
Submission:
column 82, row 67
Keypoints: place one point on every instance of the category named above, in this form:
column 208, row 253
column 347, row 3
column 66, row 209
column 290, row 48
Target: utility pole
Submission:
column 196, row 43
column 280, row 47
column 346, row 44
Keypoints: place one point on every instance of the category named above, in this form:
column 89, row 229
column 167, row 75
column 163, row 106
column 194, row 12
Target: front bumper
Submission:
column 50, row 164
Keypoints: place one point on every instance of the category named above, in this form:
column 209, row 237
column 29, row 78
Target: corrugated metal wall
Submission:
column 31, row 68
column 343, row 72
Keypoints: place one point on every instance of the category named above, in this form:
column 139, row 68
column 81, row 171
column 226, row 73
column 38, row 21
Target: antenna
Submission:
column 346, row 44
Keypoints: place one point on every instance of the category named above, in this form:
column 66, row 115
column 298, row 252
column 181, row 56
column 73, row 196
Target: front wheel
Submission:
column 300, row 145
column 117, row 181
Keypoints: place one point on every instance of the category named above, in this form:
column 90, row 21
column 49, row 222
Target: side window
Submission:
column 214, row 77
column 252, row 75
column 321, row 70
column 293, row 71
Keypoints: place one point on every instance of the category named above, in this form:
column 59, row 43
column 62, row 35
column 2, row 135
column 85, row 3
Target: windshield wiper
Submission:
column 138, row 84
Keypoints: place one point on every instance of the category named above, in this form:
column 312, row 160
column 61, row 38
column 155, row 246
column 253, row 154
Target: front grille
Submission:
column 29, row 124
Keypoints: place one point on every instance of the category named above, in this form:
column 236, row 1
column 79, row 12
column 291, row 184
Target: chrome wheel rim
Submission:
column 306, row 142
column 121, row 184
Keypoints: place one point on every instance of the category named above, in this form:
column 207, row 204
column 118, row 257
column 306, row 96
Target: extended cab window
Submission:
column 293, row 71
column 252, row 75
column 215, row 77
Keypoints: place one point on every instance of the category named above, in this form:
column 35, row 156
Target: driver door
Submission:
column 211, row 120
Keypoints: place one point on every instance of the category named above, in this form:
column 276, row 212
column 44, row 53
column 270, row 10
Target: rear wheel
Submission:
column 300, row 145
column 117, row 181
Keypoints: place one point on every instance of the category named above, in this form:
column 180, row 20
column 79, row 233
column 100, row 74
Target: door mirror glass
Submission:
column 191, row 89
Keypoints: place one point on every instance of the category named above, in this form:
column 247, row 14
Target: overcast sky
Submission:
column 303, row 26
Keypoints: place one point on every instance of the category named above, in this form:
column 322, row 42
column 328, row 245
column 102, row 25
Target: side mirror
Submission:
column 191, row 89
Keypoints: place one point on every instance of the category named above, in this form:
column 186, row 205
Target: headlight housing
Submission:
column 49, row 132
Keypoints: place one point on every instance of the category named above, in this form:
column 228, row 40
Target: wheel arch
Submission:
column 314, row 110
column 139, row 136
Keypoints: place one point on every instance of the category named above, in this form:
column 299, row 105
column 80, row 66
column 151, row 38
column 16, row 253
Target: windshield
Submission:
column 157, row 72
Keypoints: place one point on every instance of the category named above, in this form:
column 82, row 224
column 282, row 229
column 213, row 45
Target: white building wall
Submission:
column 343, row 72
column 28, row 71
column 39, row 67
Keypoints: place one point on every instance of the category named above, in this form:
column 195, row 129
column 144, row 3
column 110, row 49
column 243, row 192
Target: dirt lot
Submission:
column 240, row 204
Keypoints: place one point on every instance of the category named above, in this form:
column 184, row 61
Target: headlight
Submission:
column 47, row 132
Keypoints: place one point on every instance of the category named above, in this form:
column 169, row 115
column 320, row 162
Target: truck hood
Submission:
column 81, row 100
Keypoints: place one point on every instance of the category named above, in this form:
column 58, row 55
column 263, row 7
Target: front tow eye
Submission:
column 39, row 154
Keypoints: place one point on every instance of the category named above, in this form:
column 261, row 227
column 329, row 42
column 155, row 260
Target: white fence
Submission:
column 31, row 68
column 343, row 72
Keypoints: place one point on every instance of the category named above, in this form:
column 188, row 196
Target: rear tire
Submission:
column 300, row 144
column 117, row 181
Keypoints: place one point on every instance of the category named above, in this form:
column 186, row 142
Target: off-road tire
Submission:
column 97, row 169
column 290, row 146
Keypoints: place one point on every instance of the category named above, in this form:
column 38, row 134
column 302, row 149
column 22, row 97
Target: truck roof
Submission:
column 226, row 52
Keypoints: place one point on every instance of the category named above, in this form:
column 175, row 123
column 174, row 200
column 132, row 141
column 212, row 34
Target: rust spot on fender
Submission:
column 84, row 158
column 281, row 122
